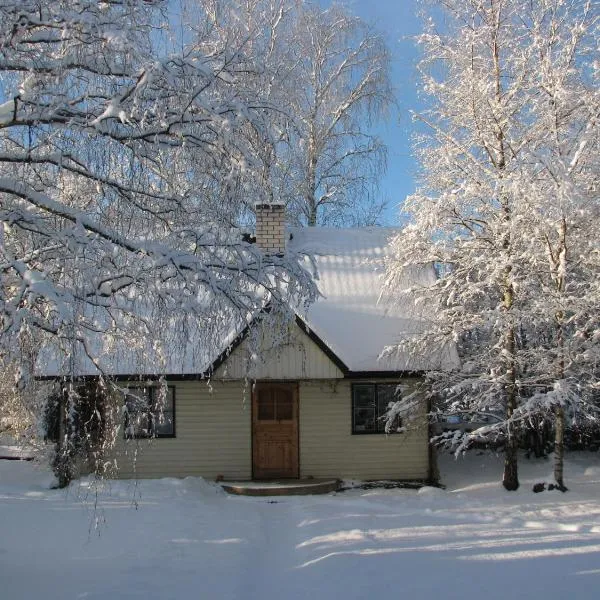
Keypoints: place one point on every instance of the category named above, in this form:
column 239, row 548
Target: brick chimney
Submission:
column 270, row 227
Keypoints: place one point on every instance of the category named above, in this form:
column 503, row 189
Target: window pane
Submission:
column 285, row 405
column 163, row 420
column 386, row 395
column 137, row 414
column 163, row 424
column 266, row 405
column 137, row 400
column 163, row 399
column 364, row 419
column 141, row 425
column 364, row 413
column 364, row 396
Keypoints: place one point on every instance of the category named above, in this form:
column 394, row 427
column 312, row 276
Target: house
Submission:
column 303, row 404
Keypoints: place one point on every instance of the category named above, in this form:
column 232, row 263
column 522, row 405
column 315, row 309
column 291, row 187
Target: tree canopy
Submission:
column 126, row 154
column 507, row 209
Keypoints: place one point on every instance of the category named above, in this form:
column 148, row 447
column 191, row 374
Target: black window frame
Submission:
column 152, row 433
column 379, row 423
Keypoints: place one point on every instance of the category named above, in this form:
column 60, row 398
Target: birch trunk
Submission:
column 560, row 266
column 559, row 447
column 311, row 183
column 510, row 478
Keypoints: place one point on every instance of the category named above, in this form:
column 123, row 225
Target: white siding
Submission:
column 328, row 448
column 212, row 425
column 213, row 437
column 296, row 357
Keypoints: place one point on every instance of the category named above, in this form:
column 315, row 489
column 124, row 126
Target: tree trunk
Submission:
column 433, row 473
column 510, row 478
column 311, row 183
column 559, row 447
column 559, row 271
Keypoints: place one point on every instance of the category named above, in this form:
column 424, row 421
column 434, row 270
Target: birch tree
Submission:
column 327, row 71
column 332, row 72
column 125, row 160
column 492, row 206
column 563, row 184
column 344, row 81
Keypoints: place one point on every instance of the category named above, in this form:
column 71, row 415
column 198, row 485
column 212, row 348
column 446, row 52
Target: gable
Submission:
column 263, row 355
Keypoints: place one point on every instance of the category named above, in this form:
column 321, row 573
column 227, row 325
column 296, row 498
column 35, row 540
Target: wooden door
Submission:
column 275, row 431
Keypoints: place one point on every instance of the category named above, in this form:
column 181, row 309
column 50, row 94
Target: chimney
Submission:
column 270, row 227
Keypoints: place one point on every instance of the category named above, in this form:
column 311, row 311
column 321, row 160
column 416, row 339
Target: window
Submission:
column 275, row 403
column 150, row 412
column 370, row 402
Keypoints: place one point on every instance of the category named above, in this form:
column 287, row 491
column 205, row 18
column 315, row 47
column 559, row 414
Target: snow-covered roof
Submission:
column 181, row 350
column 353, row 317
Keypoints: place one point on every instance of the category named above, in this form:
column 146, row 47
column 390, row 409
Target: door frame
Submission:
column 294, row 386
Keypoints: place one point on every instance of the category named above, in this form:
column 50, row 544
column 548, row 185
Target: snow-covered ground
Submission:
column 187, row 539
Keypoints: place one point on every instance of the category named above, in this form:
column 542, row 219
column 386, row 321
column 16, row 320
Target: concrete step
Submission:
column 293, row 487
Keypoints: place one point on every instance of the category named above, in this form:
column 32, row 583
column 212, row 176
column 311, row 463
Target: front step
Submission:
column 298, row 487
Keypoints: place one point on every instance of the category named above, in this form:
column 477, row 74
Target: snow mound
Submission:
column 199, row 486
column 429, row 491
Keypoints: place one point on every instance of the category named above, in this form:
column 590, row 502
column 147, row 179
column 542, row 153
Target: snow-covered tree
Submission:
column 564, row 181
column 507, row 210
column 330, row 70
column 124, row 161
column 126, row 156
column 344, row 81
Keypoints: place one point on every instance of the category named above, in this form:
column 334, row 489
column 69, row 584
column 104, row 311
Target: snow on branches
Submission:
column 507, row 210
column 126, row 156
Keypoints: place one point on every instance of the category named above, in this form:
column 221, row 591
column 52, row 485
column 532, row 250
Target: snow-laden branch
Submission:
column 506, row 211
column 126, row 162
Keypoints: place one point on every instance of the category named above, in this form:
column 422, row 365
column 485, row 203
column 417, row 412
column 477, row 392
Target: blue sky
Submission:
column 397, row 21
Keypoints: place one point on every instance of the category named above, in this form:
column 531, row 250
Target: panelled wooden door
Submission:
column 275, row 431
